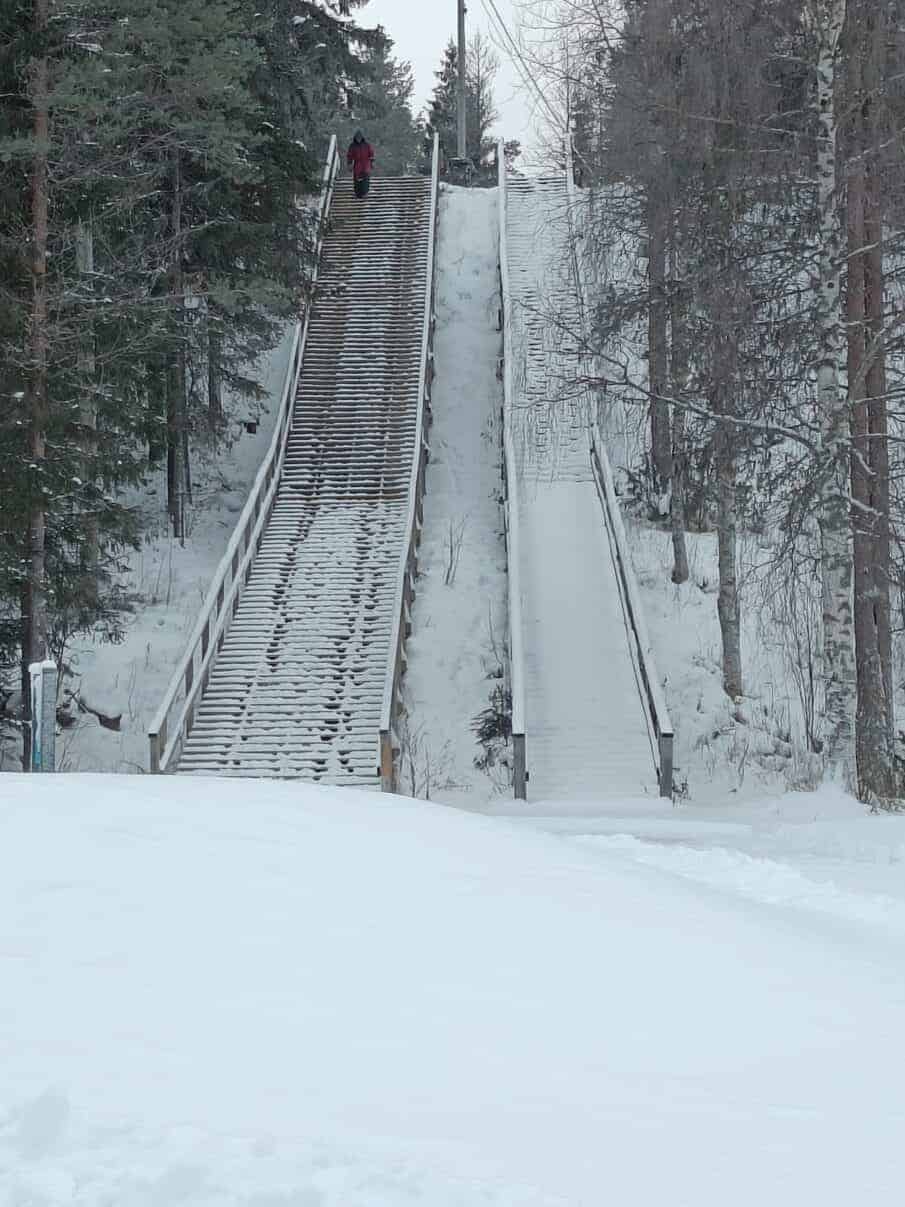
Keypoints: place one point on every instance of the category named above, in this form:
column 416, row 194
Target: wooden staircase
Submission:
column 297, row 686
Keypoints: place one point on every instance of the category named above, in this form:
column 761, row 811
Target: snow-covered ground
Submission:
column 756, row 746
column 814, row 852
column 221, row 994
column 168, row 583
column 459, row 621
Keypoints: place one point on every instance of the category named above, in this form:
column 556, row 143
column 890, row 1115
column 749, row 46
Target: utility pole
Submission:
column 463, row 90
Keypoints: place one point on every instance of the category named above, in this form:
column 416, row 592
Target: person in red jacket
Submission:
column 360, row 158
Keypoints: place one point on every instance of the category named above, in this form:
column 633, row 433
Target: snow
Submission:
column 459, row 627
column 755, row 747
column 264, row 994
column 813, row 851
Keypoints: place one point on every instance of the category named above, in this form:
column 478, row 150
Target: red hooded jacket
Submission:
column 360, row 158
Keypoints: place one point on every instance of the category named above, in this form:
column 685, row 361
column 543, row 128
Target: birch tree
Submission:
column 866, row 39
column 826, row 22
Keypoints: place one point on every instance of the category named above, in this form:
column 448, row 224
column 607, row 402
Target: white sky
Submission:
column 421, row 29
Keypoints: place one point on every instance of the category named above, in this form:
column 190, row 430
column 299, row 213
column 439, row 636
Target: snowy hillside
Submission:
column 256, row 996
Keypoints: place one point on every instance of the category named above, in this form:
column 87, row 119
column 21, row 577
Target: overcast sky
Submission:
column 421, row 29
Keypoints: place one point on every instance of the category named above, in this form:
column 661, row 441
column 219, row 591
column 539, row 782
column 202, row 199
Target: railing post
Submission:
column 520, row 767
column 158, row 745
column 387, row 762
column 667, row 786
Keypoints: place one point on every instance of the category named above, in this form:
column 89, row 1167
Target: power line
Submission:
column 498, row 22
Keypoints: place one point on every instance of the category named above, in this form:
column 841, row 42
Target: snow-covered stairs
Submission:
column 587, row 734
column 296, row 689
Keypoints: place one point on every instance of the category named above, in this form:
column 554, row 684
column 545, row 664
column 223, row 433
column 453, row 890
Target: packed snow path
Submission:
column 296, row 690
column 587, row 734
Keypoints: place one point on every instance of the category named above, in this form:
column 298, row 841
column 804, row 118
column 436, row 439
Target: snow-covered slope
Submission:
column 226, row 994
column 459, row 617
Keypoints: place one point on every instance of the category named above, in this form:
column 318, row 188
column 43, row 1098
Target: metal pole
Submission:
column 463, row 88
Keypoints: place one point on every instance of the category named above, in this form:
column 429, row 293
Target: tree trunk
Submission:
column 728, row 606
column 879, row 444
column 214, row 384
column 34, row 598
column 867, row 389
column 680, row 571
column 25, row 614
column 838, row 661
column 88, row 419
column 678, row 385
column 176, row 378
column 658, row 364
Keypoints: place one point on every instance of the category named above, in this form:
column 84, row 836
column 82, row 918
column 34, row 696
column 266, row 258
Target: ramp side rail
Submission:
column 408, row 562
column 175, row 716
column 656, row 713
column 511, row 516
column 655, row 709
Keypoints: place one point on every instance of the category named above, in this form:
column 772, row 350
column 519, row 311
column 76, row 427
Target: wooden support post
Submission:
column 520, row 769
column 666, row 765
column 387, row 763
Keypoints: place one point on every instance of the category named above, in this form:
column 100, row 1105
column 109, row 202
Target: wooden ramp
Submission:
column 587, row 732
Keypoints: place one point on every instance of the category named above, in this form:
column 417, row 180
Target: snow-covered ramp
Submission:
column 588, row 732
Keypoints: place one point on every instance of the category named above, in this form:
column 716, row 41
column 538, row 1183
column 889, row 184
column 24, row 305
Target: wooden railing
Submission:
column 176, row 714
column 656, row 713
column 655, row 710
column 511, row 517
column 408, row 562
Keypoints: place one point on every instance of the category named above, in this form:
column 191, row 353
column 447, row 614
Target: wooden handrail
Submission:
column 511, row 514
column 656, row 711
column 175, row 716
column 408, row 560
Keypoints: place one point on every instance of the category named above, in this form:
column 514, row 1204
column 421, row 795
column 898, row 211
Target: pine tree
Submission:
column 314, row 54
column 382, row 106
column 441, row 116
column 482, row 66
